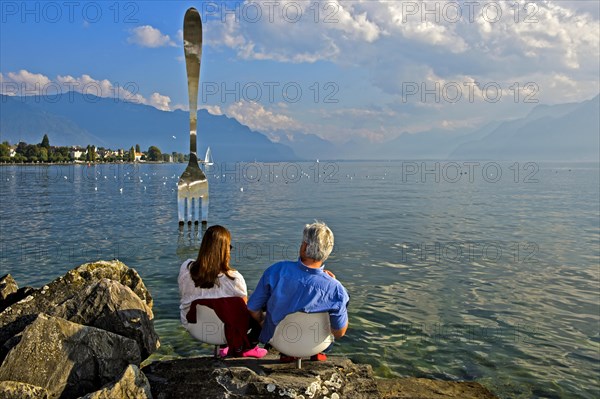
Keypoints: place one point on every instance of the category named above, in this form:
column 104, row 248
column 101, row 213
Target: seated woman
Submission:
column 210, row 281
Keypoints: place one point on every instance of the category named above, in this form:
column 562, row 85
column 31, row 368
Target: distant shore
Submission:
column 85, row 163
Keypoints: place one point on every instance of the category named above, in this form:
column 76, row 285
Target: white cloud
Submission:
column 159, row 101
column 212, row 109
column 101, row 88
column 148, row 36
column 25, row 83
column 257, row 117
column 492, row 42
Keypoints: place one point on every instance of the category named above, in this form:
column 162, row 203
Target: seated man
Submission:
column 301, row 286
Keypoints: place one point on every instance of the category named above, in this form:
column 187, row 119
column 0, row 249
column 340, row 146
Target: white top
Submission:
column 188, row 292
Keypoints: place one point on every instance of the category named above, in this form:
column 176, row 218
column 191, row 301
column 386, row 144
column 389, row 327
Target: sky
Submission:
column 343, row 70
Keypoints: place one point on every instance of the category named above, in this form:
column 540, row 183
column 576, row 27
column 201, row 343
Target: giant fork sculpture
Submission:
column 192, row 185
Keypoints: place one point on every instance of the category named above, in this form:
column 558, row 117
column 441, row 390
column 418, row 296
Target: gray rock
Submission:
column 111, row 306
column 132, row 384
column 21, row 390
column 8, row 285
column 10, row 293
column 15, row 297
column 16, row 317
column 68, row 359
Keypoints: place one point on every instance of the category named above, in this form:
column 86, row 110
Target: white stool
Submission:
column 303, row 335
column 208, row 327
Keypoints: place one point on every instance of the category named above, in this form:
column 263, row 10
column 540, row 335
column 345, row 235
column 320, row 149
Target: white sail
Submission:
column 208, row 158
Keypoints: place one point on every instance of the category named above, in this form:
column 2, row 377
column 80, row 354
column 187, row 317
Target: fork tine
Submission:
column 181, row 208
column 189, row 209
column 205, row 208
column 197, row 215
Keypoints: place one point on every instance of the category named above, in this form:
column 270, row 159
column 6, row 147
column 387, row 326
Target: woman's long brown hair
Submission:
column 213, row 258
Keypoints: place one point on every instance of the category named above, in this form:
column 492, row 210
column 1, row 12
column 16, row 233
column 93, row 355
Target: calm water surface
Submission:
column 490, row 275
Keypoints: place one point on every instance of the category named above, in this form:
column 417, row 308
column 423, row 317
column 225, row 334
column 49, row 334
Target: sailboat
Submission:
column 208, row 158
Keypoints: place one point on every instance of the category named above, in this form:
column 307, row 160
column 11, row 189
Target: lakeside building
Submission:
column 77, row 152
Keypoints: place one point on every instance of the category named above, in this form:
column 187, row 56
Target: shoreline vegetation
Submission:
column 45, row 154
column 100, row 313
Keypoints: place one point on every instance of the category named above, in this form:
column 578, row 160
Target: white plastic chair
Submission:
column 303, row 335
column 208, row 327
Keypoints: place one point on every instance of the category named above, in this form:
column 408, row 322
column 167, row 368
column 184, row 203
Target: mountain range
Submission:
column 549, row 132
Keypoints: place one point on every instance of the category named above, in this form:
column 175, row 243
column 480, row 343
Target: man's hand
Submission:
column 330, row 273
column 259, row 316
column 341, row 332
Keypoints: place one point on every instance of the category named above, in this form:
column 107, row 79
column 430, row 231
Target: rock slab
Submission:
column 338, row 377
column 260, row 378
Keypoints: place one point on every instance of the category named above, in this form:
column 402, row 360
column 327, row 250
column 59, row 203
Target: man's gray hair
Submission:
column 319, row 240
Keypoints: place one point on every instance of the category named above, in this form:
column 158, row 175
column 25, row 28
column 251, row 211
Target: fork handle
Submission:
column 192, row 47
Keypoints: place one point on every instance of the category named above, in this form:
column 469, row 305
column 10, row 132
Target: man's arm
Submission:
column 339, row 316
column 258, row 300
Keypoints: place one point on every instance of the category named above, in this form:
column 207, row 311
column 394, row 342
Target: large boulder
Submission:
column 47, row 299
column 111, row 306
column 132, row 384
column 68, row 359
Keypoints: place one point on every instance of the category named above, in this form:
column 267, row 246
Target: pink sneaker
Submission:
column 256, row 352
column 223, row 351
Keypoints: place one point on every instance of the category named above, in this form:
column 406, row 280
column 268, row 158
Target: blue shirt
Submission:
column 290, row 286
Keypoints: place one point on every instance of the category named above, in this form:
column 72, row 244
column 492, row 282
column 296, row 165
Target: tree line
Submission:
column 45, row 153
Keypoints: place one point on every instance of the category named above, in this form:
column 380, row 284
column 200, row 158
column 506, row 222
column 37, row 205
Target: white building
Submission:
column 77, row 152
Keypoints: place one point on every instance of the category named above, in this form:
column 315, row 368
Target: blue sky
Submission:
column 366, row 70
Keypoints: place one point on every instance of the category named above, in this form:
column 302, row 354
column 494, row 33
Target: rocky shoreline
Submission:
column 85, row 335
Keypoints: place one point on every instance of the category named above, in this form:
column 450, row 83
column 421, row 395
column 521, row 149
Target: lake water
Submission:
column 486, row 272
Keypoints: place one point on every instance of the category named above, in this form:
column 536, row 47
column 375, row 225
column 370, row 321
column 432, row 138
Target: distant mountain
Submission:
column 307, row 146
column 73, row 118
column 432, row 144
column 549, row 132
column 557, row 132
column 20, row 121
